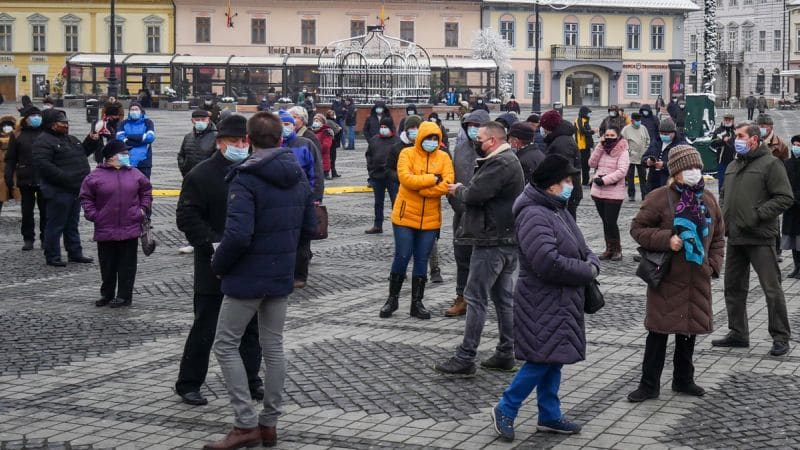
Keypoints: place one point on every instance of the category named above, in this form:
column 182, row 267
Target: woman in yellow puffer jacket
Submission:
column 424, row 171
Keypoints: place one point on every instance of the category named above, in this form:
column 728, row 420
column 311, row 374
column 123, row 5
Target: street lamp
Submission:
column 112, row 63
column 536, row 102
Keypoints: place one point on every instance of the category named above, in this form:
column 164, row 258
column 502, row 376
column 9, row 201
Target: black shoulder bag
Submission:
column 654, row 265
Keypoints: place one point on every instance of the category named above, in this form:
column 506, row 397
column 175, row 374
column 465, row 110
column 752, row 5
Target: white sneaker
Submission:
column 188, row 250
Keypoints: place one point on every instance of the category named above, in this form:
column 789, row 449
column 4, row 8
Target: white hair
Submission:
column 299, row 111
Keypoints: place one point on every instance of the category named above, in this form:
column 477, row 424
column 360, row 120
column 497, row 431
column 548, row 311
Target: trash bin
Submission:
column 92, row 110
column 558, row 106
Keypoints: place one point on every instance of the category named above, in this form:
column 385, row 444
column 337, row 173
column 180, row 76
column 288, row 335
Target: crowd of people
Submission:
column 248, row 202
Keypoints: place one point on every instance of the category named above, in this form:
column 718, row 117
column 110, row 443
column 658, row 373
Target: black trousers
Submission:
column 302, row 260
column 655, row 352
column 750, row 113
column 633, row 170
column 117, row 268
column 333, row 158
column 609, row 214
column 196, row 352
column 31, row 197
column 585, row 166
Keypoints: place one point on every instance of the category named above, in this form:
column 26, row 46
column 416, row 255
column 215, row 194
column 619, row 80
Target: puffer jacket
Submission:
column 682, row 301
column 60, row 161
column 488, row 220
column 418, row 203
column 197, row 147
column 324, row 136
column 116, row 200
column 548, row 297
column 139, row 134
column 378, row 151
column 302, row 149
column 19, row 157
column 394, row 154
column 650, row 122
column 612, row 167
column 6, row 192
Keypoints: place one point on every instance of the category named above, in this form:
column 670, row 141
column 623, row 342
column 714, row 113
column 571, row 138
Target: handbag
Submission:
column 654, row 265
column 322, row 223
column 593, row 299
column 147, row 238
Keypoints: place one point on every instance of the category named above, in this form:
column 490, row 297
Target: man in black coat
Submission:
column 722, row 141
column 520, row 137
column 372, row 124
column 199, row 144
column 61, row 162
column 656, row 158
column 378, row 150
column 202, row 209
column 560, row 140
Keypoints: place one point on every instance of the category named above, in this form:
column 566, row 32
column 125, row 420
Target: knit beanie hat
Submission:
column 666, row 126
column 550, row 120
column 412, row 122
column 113, row 147
column 387, row 122
column 285, row 117
column 684, row 157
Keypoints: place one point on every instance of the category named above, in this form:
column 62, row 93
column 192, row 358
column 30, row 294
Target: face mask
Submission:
column 665, row 138
column 430, row 145
column 692, row 176
column 741, row 146
column 612, row 114
column 385, row 132
column 681, row 106
column 287, row 130
column 472, row 132
column 412, row 134
column 589, row 115
column 432, row 120
column 236, row 154
column 542, row 131
column 796, row 151
column 379, row 110
column 410, row 112
column 480, row 101
column 645, row 113
column 566, row 191
column 124, row 160
column 608, row 144
column 728, row 124
column 763, row 132
column 7, row 129
column 316, row 126
column 637, row 123
column 200, row 126
column 47, row 106
column 135, row 115
column 35, row 121
column 208, row 102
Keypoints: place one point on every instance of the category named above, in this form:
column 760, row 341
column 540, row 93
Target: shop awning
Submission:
column 257, row 61
column 87, row 59
column 148, row 60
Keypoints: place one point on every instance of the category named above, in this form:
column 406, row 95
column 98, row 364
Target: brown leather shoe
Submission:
column 606, row 255
column 237, row 438
column 459, row 307
column 269, row 435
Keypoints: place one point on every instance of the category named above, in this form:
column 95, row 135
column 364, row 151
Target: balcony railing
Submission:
column 585, row 53
column 731, row 57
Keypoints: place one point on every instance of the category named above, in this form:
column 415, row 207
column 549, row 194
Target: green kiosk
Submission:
column 699, row 125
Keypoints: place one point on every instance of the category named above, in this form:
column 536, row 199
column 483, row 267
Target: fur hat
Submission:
column 550, row 120
column 666, row 126
column 552, row 170
column 683, row 157
column 233, row 126
column 523, row 131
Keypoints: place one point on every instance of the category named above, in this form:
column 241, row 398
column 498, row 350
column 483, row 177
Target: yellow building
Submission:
column 37, row 36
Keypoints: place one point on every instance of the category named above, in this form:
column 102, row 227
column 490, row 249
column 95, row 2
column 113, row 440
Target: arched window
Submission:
column 571, row 31
column 507, row 28
column 598, row 37
column 633, row 34
column 534, row 35
column 658, row 32
column 775, row 83
column 760, row 81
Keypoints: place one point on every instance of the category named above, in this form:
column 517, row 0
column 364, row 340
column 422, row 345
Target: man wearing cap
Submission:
column 61, row 163
column 520, row 138
column 776, row 145
column 656, row 158
column 538, row 138
column 638, row 142
column 757, row 191
column 722, row 140
column 201, row 212
column 198, row 144
column 139, row 133
column 560, row 139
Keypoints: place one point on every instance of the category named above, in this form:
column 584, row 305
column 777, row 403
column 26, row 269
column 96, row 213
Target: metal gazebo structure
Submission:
column 375, row 66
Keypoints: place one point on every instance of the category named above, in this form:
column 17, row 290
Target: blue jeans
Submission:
column 349, row 137
column 546, row 378
column 408, row 242
column 379, row 188
column 63, row 213
column 721, row 176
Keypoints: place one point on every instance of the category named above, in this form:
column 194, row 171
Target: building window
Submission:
column 693, row 43
column 634, row 32
column 153, row 39
column 762, row 41
column 598, row 35
column 570, row 34
column 202, row 27
column 656, row 85
column 39, row 38
column 258, row 31
column 5, row 37
column 777, row 41
column 534, row 37
column 760, row 81
column 118, row 38
column 775, row 85
column 507, row 31
column 530, row 83
column 308, row 30
column 657, row 37
column 70, row 38
column 358, row 28
column 797, row 49
column 747, row 2
column 734, row 3
column 451, row 34
column 631, row 85
column 407, row 30
column 510, row 83
column 748, row 40
column 733, row 36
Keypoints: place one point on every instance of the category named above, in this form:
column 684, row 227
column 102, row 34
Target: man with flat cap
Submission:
column 61, row 162
column 201, row 213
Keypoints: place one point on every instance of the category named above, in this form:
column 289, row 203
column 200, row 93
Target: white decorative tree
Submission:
column 489, row 44
column 711, row 46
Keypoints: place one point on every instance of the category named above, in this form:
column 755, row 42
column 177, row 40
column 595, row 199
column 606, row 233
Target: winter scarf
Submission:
column 691, row 221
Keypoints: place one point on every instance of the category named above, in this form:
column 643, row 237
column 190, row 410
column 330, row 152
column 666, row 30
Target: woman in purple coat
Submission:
column 554, row 265
column 117, row 199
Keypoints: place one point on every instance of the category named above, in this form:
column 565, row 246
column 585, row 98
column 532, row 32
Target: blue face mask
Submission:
column 236, row 154
column 124, row 160
column 542, row 132
column 412, row 134
column 385, row 132
column 637, row 123
column 316, row 126
column 200, row 126
column 665, row 138
column 287, row 131
column 472, row 132
column 796, row 151
column 566, row 191
column 763, row 132
column 135, row 115
column 430, row 145
column 35, row 121
column 741, row 146
column 589, row 115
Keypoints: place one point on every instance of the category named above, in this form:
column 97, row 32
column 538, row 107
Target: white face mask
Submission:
column 8, row 129
column 692, row 176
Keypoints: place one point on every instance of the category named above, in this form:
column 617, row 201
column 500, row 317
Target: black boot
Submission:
column 796, row 260
column 395, row 284
column 417, row 292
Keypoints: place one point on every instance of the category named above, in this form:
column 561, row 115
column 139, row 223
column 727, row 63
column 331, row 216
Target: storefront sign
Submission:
column 294, row 50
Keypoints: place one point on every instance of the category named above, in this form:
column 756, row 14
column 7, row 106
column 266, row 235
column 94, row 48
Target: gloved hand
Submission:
column 599, row 181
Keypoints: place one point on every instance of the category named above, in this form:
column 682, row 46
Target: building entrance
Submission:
column 583, row 89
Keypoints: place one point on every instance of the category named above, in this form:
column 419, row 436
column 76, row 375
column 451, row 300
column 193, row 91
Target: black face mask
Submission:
column 609, row 144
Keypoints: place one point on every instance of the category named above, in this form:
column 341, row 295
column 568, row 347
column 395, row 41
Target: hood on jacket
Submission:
column 563, row 129
column 584, row 111
column 479, row 116
column 535, row 196
column 427, row 129
column 507, row 119
column 276, row 166
column 11, row 120
column 411, row 107
column 646, row 108
column 380, row 103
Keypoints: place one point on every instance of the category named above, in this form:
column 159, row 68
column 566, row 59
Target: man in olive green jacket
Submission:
column 756, row 193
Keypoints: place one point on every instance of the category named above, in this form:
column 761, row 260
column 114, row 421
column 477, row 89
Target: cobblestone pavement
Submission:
column 75, row 376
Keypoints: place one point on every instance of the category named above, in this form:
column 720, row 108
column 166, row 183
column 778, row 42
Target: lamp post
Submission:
column 536, row 103
column 112, row 63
